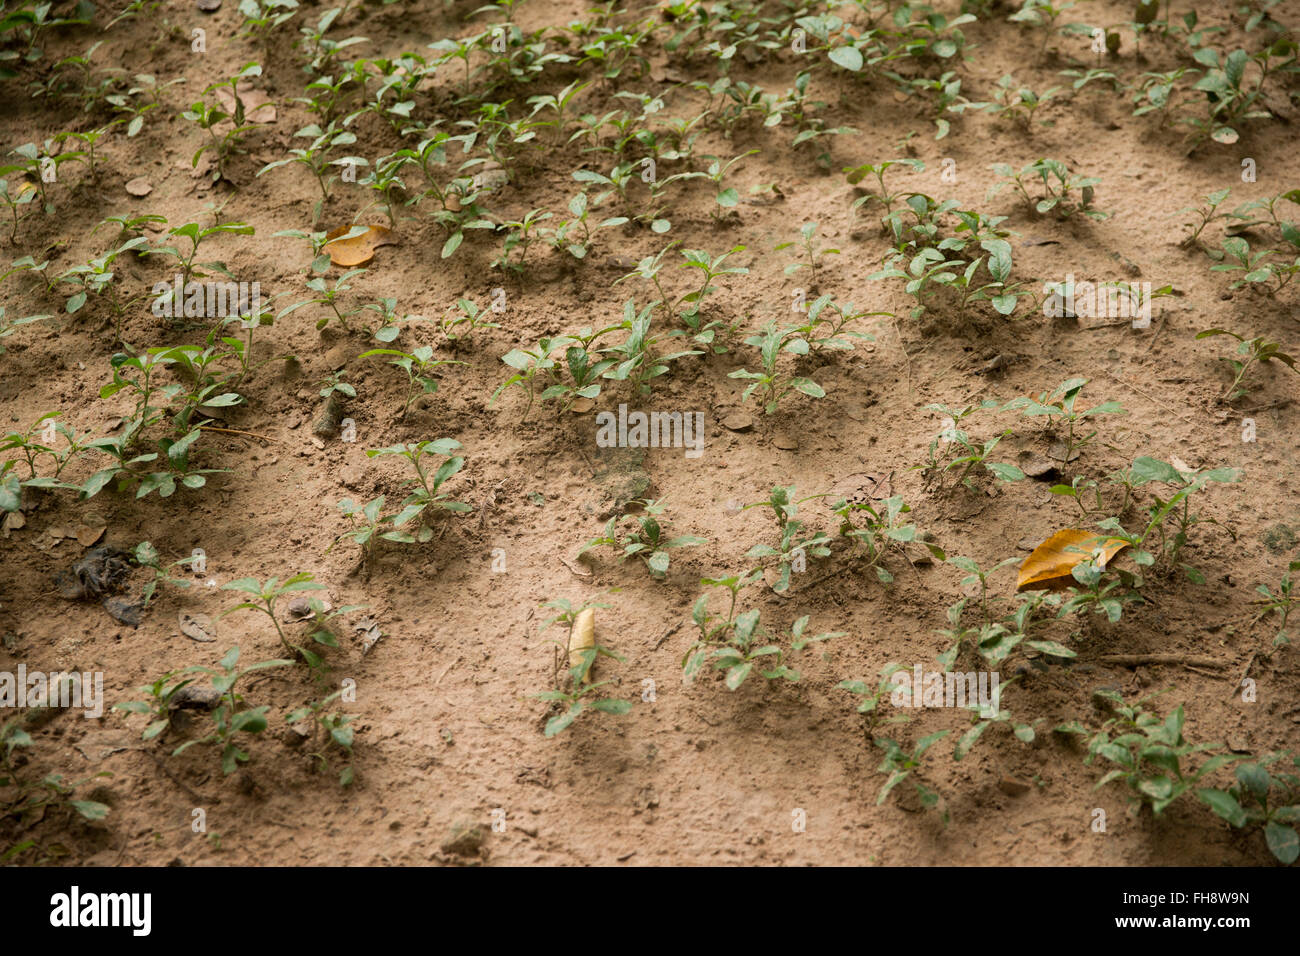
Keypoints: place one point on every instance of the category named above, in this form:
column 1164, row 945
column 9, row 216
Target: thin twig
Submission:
column 236, row 431
column 1135, row 660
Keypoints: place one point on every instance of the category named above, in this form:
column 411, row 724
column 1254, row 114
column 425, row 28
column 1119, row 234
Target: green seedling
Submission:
column 872, row 697
column 736, row 645
column 1280, row 603
column 31, row 799
column 879, row 529
column 146, row 555
column 771, row 342
column 1057, row 183
column 791, row 552
column 1252, row 353
column 898, row 765
column 315, row 158
column 459, row 327
column 426, row 494
column 330, row 296
column 1168, row 521
column 1020, row 102
column 265, row 596
column 1057, row 407
column 158, row 702
column 418, row 364
column 645, row 539
column 827, row 328
column 1148, row 753
column 197, row 235
column 810, row 248
column 228, row 719
column 337, row 727
column 1258, row 271
column 584, row 694
column 1259, row 797
column 637, row 359
column 983, row 718
column 520, row 234
column 854, row 175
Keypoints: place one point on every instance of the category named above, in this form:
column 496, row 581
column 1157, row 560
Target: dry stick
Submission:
column 581, row 574
column 1134, row 660
column 1237, row 686
column 1152, row 398
column 667, row 634
column 1164, row 317
column 1280, row 403
column 176, row 780
column 444, row 671
column 236, row 431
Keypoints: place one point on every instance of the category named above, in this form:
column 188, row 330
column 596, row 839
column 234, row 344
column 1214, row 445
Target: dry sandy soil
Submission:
column 448, row 733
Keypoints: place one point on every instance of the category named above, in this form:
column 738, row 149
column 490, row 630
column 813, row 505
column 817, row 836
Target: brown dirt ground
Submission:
column 446, row 729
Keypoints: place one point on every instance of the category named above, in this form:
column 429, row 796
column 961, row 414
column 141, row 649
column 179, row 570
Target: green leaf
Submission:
column 736, row 675
column 1224, row 804
column 97, row 811
column 847, row 57
column 1283, row 842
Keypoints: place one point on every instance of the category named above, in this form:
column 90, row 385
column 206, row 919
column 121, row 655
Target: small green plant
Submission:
column 158, row 702
column 810, row 248
column 31, row 798
column 426, row 494
column 791, row 551
column 637, row 358
column 737, row 644
column 418, row 364
column 1164, row 532
column 367, row 523
column 336, row 726
column 1252, row 352
column 315, row 158
column 1148, row 754
column 827, row 328
column 855, row 174
column 521, row 234
column 329, row 296
column 878, row 529
column 1207, row 214
column 960, row 451
column 566, row 235
column 1257, row 270
column 264, row 598
column 1020, row 102
column 1057, row 407
column 872, row 697
column 459, row 327
column 227, row 143
column 146, row 555
column 984, row 717
column 1058, row 186
column 196, row 234
column 1261, row 797
column 229, row 719
column 1042, row 14
column 645, row 539
column 582, row 694
column 1280, row 603
column 775, row 386
column 898, row 764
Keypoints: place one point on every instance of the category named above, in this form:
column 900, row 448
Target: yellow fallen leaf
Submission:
column 359, row 249
column 1056, row 557
column 582, row 637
